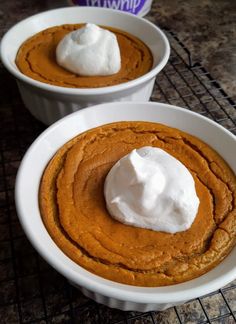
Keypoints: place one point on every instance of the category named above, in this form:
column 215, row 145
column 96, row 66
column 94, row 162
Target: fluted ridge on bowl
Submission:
column 49, row 109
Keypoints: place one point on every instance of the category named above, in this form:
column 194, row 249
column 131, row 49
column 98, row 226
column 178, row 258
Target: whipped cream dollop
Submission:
column 150, row 188
column 90, row 50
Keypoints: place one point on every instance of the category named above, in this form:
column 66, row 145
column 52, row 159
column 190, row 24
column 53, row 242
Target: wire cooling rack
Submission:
column 30, row 290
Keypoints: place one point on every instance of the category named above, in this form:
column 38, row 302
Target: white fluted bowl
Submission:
column 49, row 103
column 104, row 291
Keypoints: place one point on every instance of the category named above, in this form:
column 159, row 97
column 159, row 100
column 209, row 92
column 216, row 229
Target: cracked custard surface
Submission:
column 36, row 58
column 73, row 207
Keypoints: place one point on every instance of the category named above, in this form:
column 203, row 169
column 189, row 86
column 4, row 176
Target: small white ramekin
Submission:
column 104, row 291
column 49, row 103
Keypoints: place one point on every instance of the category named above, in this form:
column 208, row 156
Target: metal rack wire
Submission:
column 31, row 291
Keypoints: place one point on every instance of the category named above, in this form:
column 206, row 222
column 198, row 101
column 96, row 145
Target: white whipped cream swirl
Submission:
column 90, row 51
column 149, row 188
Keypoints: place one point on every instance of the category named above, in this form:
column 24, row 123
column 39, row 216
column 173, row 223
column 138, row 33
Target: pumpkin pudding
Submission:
column 74, row 211
column 36, row 58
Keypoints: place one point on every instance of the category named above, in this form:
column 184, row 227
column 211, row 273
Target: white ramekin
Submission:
column 49, row 103
column 104, row 291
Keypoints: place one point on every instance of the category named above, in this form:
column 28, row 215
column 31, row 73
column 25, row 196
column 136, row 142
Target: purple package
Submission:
column 136, row 7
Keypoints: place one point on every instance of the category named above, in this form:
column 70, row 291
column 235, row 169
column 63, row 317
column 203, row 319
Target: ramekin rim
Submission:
column 85, row 91
column 143, row 295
